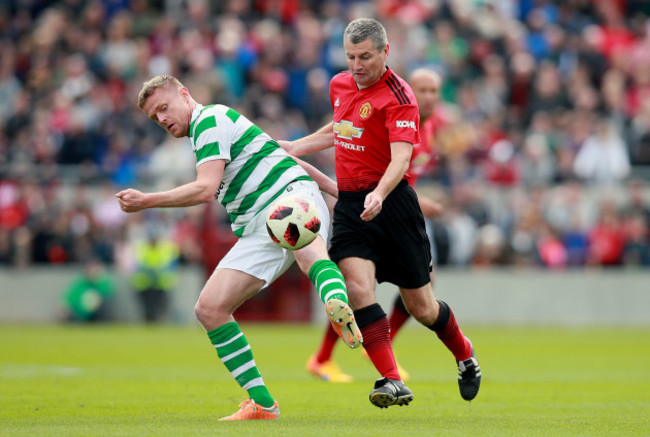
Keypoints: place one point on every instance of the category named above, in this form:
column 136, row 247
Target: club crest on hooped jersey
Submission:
column 365, row 111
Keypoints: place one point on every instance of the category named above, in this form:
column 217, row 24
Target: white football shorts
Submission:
column 257, row 255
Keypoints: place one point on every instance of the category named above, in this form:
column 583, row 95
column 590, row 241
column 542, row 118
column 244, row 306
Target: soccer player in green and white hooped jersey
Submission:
column 256, row 170
column 245, row 170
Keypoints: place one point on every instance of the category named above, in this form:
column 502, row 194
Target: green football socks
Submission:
column 328, row 280
column 235, row 353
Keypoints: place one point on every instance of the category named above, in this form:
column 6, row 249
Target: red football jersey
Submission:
column 365, row 123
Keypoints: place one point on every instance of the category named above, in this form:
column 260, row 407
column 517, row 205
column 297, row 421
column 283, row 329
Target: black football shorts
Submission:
column 396, row 240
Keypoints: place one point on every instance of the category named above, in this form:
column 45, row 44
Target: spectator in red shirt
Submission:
column 606, row 239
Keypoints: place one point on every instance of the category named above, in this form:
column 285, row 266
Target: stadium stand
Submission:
column 544, row 157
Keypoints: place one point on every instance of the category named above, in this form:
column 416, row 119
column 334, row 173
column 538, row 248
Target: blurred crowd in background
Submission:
column 543, row 158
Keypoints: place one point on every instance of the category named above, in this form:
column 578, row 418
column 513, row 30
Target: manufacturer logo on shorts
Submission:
column 404, row 123
column 365, row 111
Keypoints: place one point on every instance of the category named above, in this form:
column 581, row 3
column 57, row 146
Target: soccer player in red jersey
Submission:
column 379, row 231
column 425, row 84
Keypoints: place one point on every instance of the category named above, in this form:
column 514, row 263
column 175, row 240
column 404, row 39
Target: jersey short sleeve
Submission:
column 208, row 141
column 402, row 123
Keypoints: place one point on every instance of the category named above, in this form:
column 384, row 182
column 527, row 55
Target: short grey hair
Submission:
column 362, row 29
column 153, row 84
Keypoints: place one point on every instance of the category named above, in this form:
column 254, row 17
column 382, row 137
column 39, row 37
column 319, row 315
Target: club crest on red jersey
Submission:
column 365, row 111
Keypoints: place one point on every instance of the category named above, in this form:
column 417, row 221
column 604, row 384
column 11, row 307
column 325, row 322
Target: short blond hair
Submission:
column 153, row 84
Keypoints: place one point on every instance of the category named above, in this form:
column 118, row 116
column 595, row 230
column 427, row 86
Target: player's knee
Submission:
column 205, row 312
column 424, row 316
column 211, row 311
column 200, row 311
column 360, row 296
column 424, row 311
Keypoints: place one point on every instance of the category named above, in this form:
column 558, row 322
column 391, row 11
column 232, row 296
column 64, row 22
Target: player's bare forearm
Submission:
column 400, row 157
column 319, row 140
column 202, row 190
column 399, row 163
column 325, row 183
column 393, row 175
column 191, row 194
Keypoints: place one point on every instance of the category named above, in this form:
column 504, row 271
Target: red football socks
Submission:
column 327, row 346
column 397, row 319
column 450, row 334
column 376, row 341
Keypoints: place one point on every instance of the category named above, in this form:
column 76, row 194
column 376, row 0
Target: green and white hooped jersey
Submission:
column 257, row 169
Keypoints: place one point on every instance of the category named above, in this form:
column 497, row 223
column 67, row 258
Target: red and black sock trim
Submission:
column 399, row 304
column 398, row 316
column 447, row 330
column 443, row 318
column 374, row 326
column 367, row 315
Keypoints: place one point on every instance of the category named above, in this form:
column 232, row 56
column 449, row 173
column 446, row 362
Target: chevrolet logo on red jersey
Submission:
column 345, row 129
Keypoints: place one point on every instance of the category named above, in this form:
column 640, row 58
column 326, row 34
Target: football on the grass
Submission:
column 293, row 222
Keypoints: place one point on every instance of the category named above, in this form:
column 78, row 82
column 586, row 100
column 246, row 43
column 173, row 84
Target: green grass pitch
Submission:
column 116, row 380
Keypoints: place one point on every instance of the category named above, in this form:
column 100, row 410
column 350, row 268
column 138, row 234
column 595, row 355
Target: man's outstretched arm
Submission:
column 202, row 190
column 322, row 139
